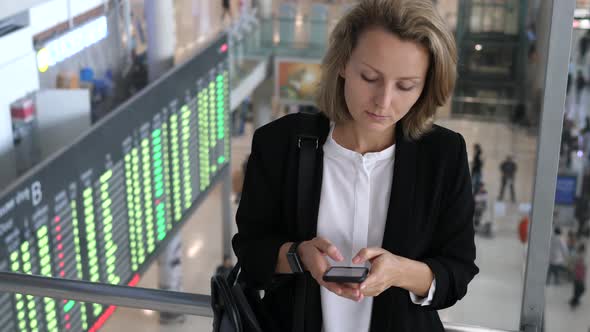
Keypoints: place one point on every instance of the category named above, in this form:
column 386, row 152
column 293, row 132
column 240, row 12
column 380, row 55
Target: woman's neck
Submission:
column 356, row 139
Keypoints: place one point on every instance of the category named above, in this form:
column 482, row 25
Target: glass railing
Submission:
column 254, row 40
column 300, row 36
column 112, row 296
column 245, row 54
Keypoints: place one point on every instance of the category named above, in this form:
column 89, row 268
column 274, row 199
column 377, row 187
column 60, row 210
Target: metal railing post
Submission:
column 557, row 60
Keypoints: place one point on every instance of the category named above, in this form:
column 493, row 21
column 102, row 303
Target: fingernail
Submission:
column 363, row 286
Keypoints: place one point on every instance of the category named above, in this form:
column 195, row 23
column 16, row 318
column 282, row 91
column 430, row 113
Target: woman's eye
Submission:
column 369, row 79
column 405, row 87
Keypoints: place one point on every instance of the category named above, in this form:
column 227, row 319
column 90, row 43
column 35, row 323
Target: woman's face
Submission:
column 384, row 78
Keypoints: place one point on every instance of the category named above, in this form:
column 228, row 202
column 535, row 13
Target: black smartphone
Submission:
column 346, row 274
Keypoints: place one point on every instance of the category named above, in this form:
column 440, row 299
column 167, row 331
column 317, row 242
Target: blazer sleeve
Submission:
column 260, row 232
column 452, row 254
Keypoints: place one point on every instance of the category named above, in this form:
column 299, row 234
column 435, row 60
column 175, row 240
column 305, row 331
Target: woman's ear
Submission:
column 342, row 72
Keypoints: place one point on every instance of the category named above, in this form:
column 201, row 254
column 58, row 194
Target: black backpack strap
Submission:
column 232, row 278
column 247, row 314
column 223, row 301
column 307, row 145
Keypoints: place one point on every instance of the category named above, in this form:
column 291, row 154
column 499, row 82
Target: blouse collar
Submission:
column 332, row 148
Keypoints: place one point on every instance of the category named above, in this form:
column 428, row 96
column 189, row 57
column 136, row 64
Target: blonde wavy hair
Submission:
column 409, row 20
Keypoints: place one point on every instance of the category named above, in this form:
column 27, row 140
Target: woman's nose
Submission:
column 384, row 97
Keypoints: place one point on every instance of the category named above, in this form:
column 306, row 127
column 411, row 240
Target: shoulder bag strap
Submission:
column 307, row 144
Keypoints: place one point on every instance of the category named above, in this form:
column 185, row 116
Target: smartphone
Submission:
column 346, row 274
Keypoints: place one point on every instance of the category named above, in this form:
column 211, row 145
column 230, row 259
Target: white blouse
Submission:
column 353, row 209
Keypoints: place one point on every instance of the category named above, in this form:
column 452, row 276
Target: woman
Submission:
column 391, row 191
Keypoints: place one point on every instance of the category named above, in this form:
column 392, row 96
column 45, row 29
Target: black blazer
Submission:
column 430, row 219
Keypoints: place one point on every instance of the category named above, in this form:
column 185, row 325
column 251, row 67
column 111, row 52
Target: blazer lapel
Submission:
column 399, row 217
column 401, row 201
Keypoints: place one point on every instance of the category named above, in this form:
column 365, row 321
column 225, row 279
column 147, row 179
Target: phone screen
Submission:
column 352, row 272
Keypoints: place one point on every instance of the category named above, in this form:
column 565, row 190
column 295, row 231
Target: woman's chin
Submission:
column 378, row 125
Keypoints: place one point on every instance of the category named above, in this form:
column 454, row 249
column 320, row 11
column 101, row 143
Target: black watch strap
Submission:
column 293, row 258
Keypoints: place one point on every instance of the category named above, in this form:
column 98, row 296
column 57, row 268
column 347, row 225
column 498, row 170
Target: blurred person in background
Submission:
column 226, row 7
column 558, row 255
column 582, row 214
column 476, row 167
column 571, row 243
column 579, row 276
column 567, row 141
column 585, row 144
column 580, row 84
column 508, row 169
column 225, row 268
column 481, row 203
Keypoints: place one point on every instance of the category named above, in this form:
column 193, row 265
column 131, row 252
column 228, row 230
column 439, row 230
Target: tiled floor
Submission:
column 494, row 297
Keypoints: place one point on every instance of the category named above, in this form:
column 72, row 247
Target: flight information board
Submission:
column 100, row 209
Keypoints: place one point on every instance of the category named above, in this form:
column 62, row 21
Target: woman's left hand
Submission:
column 387, row 270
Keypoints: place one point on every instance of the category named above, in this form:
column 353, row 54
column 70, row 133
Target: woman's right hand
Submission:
column 313, row 256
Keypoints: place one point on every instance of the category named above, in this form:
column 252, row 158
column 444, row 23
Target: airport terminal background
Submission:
column 67, row 64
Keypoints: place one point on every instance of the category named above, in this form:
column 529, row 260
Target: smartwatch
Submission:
column 293, row 258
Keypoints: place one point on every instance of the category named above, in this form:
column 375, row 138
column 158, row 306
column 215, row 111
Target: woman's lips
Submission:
column 376, row 116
